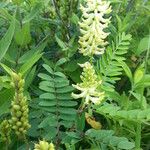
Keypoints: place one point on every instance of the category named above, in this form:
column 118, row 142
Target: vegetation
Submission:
column 74, row 75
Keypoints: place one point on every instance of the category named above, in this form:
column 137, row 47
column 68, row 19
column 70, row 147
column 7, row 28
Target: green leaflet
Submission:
column 108, row 138
column 29, row 60
column 5, row 99
column 34, row 12
column 6, row 40
column 56, row 97
column 6, row 68
column 25, row 67
column 111, row 64
column 22, row 34
column 115, row 112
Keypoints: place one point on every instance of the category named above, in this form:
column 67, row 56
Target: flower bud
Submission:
column 92, row 26
column 89, row 86
column 19, row 110
column 43, row 145
column 5, row 131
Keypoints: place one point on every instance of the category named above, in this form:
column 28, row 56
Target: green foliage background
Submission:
column 39, row 39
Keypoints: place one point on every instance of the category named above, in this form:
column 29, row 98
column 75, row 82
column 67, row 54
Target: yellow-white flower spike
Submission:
column 89, row 86
column 92, row 25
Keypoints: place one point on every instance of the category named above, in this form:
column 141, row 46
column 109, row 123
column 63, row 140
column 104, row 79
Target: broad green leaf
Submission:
column 45, row 77
column 5, row 82
column 6, row 68
column 64, row 96
column 22, row 34
column 68, row 103
column 3, row 4
column 34, row 12
column 80, row 121
column 65, row 89
column 61, row 84
column 61, row 61
column 48, row 68
column 6, row 40
column 74, row 19
column 126, row 145
column 38, row 49
column 61, row 43
column 138, row 75
column 48, row 103
column 143, row 45
column 69, row 111
column 5, row 99
column 47, row 96
column 67, row 117
column 30, row 77
column 48, row 121
column 46, row 83
column 144, row 82
column 60, row 74
column 25, row 67
column 4, row 14
column 17, row 2
column 127, row 70
column 47, row 88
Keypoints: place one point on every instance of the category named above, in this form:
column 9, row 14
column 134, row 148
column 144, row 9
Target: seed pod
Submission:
column 16, row 107
column 5, row 131
column 19, row 110
column 21, row 129
column 18, row 114
column 15, row 127
column 18, row 123
column 14, row 119
column 43, row 145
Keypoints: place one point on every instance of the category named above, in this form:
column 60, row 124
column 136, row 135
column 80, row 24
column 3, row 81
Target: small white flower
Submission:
column 89, row 86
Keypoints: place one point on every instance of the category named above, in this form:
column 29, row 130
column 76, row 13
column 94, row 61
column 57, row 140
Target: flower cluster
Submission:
column 92, row 25
column 89, row 86
column 43, row 145
column 5, row 131
column 19, row 110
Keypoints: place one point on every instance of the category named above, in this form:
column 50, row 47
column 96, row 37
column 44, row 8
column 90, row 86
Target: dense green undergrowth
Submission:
column 74, row 74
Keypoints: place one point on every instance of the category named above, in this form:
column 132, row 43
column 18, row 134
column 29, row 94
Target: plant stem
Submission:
column 60, row 17
column 147, row 55
column 138, row 137
column 7, row 144
column 27, row 143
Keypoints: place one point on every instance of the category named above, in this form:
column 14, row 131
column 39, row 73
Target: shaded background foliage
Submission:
column 44, row 33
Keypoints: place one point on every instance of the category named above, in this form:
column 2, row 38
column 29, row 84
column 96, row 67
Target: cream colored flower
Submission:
column 92, row 25
column 89, row 86
column 43, row 145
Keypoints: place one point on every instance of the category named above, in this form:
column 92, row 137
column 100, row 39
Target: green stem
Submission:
column 60, row 17
column 138, row 137
column 7, row 144
column 27, row 143
column 147, row 55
